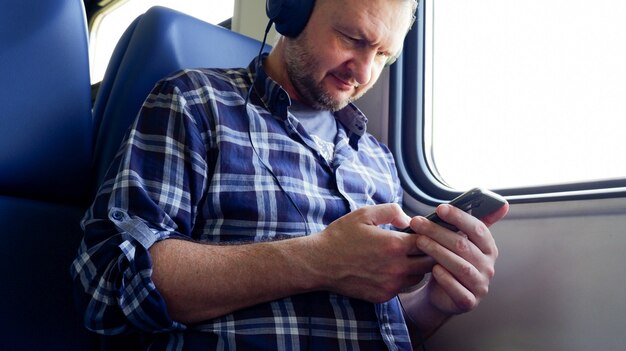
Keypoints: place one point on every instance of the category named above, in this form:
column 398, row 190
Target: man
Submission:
column 262, row 218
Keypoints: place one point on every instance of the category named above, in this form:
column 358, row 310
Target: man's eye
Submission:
column 386, row 58
column 351, row 40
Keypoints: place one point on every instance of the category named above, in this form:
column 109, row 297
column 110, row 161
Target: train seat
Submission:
column 46, row 141
column 158, row 43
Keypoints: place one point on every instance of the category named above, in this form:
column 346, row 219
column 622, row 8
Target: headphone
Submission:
column 289, row 16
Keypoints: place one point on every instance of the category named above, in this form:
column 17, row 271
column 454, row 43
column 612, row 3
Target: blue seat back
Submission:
column 46, row 140
column 45, row 147
column 157, row 44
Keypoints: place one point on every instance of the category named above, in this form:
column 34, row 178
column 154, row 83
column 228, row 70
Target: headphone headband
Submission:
column 289, row 16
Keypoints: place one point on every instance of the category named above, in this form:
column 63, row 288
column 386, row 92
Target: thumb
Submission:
column 388, row 214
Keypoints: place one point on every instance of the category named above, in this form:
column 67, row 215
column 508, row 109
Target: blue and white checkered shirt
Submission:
column 187, row 169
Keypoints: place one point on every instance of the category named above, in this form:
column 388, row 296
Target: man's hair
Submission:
column 414, row 5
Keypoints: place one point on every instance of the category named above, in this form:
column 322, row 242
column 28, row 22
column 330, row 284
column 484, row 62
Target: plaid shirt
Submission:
column 187, row 169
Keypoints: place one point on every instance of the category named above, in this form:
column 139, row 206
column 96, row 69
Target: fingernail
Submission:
column 407, row 219
column 420, row 221
column 444, row 209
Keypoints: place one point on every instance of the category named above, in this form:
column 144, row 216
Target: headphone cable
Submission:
column 259, row 66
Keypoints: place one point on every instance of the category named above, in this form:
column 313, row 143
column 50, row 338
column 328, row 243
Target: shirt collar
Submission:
column 277, row 101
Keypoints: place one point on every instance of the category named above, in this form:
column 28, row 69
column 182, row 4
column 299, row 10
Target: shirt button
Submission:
column 117, row 215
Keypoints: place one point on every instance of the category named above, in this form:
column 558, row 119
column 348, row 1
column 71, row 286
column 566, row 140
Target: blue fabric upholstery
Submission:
column 45, row 150
column 46, row 142
column 39, row 242
column 160, row 42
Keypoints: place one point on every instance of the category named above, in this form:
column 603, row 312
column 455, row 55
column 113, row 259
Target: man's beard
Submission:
column 301, row 66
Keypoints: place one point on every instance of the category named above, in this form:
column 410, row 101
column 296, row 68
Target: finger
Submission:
column 460, row 257
column 454, row 252
column 463, row 299
column 450, row 242
column 386, row 214
column 414, row 251
column 475, row 229
column 445, row 210
column 497, row 215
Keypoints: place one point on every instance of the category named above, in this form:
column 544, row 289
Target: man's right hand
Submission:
column 353, row 256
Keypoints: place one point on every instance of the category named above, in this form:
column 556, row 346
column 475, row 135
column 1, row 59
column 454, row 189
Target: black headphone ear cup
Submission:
column 289, row 16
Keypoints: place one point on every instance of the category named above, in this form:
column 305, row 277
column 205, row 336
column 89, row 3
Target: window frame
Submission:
column 407, row 137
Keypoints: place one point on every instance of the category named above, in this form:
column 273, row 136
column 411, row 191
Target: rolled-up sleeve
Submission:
column 151, row 193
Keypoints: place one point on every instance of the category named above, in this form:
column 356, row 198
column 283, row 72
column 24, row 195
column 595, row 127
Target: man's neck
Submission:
column 275, row 67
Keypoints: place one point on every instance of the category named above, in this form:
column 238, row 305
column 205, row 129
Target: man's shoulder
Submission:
column 216, row 78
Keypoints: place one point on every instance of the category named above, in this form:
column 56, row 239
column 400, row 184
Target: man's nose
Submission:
column 361, row 66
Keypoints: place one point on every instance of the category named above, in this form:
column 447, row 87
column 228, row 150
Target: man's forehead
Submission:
column 390, row 12
column 373, row 21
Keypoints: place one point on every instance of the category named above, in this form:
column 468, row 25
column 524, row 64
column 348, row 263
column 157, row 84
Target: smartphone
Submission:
column 478, row 202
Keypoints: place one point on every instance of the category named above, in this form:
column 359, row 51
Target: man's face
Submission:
column 344, row 48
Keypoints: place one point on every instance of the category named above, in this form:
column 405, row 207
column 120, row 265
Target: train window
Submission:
column 518, row 95
column 109, row 25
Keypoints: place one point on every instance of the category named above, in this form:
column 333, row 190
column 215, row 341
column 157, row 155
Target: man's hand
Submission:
column 359, row 259
column 352, row 256
column 465, row 265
